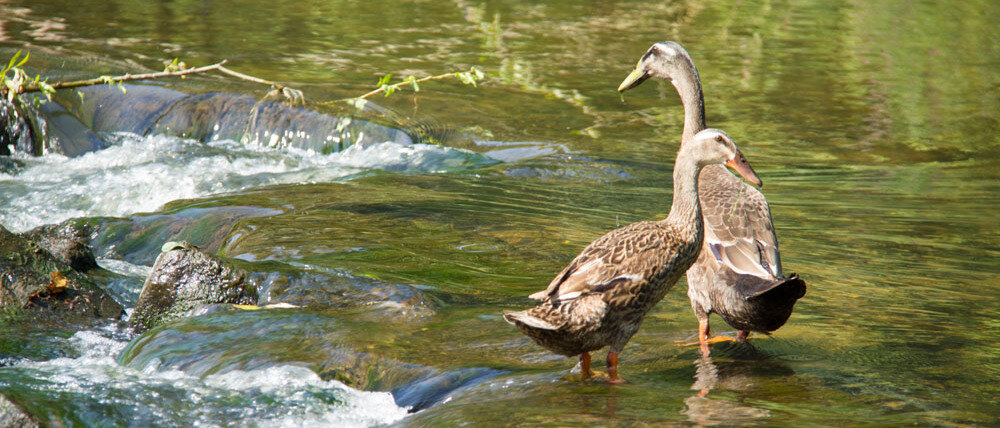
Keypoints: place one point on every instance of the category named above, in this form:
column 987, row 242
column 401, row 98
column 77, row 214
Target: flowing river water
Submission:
column 874, row 127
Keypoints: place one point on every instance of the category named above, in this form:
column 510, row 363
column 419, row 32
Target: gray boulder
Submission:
column 184, row 278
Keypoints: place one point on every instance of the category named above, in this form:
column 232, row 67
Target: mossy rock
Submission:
column 184, row 277
column 34, row 280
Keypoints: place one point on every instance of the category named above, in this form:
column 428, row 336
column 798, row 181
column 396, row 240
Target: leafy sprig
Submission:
column 471, row 77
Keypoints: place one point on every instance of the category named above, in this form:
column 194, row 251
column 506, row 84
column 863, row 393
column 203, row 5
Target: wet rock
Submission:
column 67, row 242
column 15, row 129
column 432, row 390
column 72, row 124
column 31, row 278
column 63, row 131
column 184, row 278
column 8, row 165
column 12, row 416
column 145, row 109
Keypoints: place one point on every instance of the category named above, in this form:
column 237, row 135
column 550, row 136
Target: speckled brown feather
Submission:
column 738, row 227
column 602, row 296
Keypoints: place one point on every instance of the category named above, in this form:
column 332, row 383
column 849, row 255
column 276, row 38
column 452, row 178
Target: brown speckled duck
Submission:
column 601, row 298
column 738, row 273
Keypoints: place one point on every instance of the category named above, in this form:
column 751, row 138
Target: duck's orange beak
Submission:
column 739, row 164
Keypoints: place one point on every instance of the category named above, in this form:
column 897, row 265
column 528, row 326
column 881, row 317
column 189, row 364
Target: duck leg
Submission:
column 613, row 368
column 703, row 333
column 704, row 336
column 585, row 372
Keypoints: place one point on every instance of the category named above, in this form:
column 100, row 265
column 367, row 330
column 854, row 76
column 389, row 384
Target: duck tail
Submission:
column 541, row 295
column 525, row 319
column 784, row 290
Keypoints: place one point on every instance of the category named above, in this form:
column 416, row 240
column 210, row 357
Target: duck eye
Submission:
column 720, row 139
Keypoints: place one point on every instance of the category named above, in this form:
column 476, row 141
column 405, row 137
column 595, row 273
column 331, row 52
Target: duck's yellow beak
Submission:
column 739, row 164
column 634, row 79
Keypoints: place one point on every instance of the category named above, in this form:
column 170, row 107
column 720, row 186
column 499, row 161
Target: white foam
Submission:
column 122, row 267
column 140, row 174
column 280, row 396
column 293, row 385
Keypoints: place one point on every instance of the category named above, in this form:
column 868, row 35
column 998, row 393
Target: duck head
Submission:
column 664, row 60
column 713, row 146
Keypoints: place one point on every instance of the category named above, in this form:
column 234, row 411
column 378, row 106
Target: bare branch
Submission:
column 34, row 87
column 247, row 77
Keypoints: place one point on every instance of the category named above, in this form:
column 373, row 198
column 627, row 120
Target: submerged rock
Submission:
column 32, row 278
column 231, row 340
column 183, row 278
column 424, row 393
column 138, row 239
column 367, row 299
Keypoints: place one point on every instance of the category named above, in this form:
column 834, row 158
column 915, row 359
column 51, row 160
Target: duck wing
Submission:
column 739, row 232
column 619, row 258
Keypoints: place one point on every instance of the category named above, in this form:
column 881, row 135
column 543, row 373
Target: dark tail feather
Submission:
column 767, row 303
column 784, row 290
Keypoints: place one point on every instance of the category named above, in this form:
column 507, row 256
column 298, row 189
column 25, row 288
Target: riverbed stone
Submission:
column 67, row 242
column 12, row 416
column 185, row 277
column 32, row 279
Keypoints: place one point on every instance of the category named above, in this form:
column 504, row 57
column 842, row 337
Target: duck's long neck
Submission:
column 685, row 210
column 688, row 86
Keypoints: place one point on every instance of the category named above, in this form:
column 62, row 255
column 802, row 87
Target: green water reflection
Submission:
column 873, row 124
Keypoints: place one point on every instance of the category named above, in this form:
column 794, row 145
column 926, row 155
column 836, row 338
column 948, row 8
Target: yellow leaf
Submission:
column 57, row 284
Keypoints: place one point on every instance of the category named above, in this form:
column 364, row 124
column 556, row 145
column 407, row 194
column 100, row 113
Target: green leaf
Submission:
column 466, row 78
column 23, row 61
column 13, row 60
column 384, row 80
column 413, row 81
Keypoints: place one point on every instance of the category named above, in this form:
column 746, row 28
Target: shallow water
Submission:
column 872, row 125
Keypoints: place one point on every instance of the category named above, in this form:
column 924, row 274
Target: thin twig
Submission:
column 248, row 77
column 34, row 87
